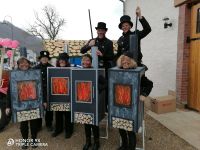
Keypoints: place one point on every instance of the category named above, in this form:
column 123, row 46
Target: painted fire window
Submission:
column 198, row 20
column 122, row 95
column 27, row 90
column 83, row 91
column 60, row 86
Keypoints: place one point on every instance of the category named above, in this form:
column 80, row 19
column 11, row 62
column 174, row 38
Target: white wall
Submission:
column 159, row 48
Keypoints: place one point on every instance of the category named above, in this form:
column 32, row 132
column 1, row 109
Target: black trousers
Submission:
column 128, row 139
column 24, row 128
column 95, row 130
column 63, row 116
column 48, row 119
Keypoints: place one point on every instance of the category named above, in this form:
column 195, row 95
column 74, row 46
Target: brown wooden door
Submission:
column 194, row 60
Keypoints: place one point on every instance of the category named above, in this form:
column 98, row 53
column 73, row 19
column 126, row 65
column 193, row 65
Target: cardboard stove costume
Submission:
column 129, row 137
column 24, row 125
column 63, row 115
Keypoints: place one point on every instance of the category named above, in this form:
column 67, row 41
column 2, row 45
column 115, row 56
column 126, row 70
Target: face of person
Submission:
column 101, row 33
column 126, row 27
column 24, row 65
column 44, row 60
column 126, row 62
column 86, row 63
column 62, row 63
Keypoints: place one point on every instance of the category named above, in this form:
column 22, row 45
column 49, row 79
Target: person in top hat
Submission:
column 125, row 25
column 43, row 65
column 126, row 61
column 105, row 46
column 105, row 50
column 63, row 61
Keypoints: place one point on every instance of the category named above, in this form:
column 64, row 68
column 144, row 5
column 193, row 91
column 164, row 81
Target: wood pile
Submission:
column 83, row 118
column 60, row 107
column 28, row 115
column 55, row 47
column 122, row 124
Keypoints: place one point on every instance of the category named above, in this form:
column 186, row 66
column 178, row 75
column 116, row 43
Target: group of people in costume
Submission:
column 107, row 59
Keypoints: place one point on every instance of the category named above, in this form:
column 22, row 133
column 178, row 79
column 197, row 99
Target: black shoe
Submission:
column 34, row 144
column 55, row 133
column 123, row 148
column 68, row 135
column 49, row 128
column 25, row 145
column 131, row 148
column 96, row 146
column 87, row 146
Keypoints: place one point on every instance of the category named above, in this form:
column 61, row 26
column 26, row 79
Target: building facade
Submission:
column 159, row 48
column 188, row 53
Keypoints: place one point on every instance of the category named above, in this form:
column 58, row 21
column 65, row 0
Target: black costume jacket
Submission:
column 123, row 41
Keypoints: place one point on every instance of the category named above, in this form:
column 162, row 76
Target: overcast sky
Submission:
column 75, row 12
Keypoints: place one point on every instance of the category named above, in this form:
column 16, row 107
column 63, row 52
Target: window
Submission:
column 198, row 20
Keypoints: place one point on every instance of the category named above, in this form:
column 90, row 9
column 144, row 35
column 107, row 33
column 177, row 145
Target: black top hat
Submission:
column 63, row 56
column 44, row 54
column 125, row 18
column 101, row 25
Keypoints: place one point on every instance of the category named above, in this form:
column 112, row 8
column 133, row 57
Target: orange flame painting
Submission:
column 123, row 95
column 84, row 91
column 27, row 90
column 60, row 86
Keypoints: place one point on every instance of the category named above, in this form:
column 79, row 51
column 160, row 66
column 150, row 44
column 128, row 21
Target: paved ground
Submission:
column 157, row 138
column 184, row 123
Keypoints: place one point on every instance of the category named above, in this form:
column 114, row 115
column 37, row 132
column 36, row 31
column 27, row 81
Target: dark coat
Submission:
column 123, row 41
column 43, row 69
column 145, row 86
column 106, row 47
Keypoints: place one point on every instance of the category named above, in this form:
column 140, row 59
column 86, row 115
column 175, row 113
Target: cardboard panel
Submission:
column 125, row 109
column 86, row 105
column 59, row 88
column 26, row 95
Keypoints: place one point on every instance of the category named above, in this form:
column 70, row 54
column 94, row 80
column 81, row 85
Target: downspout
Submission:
column 123, row 6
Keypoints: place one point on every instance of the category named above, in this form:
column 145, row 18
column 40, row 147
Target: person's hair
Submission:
column 133, row 63
column 22, row 59
column 58, row 64
column 88, row 56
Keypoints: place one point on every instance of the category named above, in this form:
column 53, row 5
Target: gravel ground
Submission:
column 157, row 138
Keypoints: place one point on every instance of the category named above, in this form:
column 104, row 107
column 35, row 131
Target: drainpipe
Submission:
column 123, row 6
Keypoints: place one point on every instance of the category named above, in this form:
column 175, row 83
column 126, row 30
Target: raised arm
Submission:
column 146, row 27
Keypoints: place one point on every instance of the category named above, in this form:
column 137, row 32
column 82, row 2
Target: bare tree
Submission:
column 47, row 25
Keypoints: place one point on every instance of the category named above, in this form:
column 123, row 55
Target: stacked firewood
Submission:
column 122, row 124
column 83, row 118
column 60, row 107
column 28, row 115
column 75, row 47
column 54, row 47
